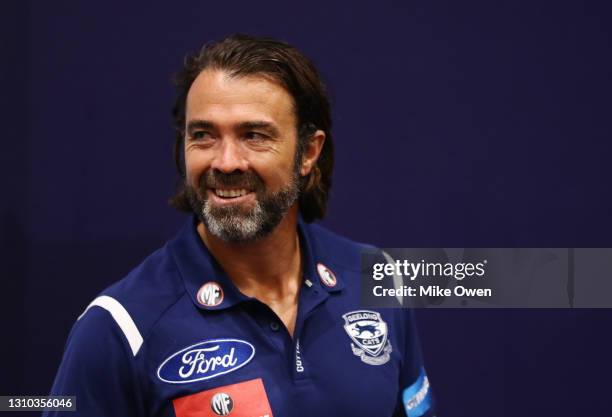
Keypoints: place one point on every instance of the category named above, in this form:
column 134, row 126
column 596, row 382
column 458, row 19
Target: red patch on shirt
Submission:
column 245, row 399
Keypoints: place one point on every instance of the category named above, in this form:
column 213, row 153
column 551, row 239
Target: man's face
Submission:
column 242, row 167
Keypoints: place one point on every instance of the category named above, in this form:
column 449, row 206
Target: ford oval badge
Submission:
column 205, row 360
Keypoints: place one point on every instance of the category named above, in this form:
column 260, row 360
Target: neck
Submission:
column 269, row 268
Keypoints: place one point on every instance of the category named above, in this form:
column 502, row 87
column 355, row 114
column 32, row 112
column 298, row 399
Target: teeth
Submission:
column 230, row 193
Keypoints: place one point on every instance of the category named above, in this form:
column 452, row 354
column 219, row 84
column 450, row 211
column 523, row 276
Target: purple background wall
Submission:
column 470, row 123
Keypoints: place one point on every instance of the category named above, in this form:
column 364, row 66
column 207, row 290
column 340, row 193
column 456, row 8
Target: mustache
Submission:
column 237, row 179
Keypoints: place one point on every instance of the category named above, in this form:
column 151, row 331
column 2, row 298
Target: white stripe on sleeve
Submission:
column 122, row 318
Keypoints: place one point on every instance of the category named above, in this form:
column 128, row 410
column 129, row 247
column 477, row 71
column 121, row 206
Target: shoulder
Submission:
column 334, row 249
column 134, row 304
column 98, row 365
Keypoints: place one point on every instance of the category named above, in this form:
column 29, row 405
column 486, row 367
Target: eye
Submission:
column 200, row 134
column 254, row 136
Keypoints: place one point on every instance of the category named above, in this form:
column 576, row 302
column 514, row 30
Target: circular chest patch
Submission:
column 327, row 276
column 210, row 295
column 221, row 404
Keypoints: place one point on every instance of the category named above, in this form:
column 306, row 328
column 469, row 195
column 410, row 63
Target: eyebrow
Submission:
column 259, row 124
column 248, row 125
column 199, row 124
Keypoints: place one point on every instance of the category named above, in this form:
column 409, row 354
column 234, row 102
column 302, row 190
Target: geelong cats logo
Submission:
column 205, row 360
column 369, row 333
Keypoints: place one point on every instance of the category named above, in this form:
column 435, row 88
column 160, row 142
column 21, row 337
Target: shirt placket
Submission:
column 312, row 297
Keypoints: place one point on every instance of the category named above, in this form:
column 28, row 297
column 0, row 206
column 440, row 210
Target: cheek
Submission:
column 196, row 163
column 275, row 169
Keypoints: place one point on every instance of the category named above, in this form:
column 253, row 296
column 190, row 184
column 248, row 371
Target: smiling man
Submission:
column 252, row 310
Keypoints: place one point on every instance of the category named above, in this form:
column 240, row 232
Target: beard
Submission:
column 236, row 223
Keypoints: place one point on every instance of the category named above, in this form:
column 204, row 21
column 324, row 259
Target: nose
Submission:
column 229, row 157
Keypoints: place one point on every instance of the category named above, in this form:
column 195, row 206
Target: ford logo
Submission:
column 205, row 360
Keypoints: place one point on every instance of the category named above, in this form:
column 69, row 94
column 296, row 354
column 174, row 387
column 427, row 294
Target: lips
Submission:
column 231, row 188
column 226, row 197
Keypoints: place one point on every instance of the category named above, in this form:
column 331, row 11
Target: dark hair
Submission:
column 242, row 55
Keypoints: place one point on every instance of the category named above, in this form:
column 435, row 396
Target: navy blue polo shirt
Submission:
column 177, row 338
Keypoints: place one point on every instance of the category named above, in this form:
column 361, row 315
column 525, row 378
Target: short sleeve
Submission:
column 415, row 394
column 98, row 367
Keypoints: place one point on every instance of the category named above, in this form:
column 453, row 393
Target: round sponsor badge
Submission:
column 210, row 295
column 327, row 276
column 221, row 404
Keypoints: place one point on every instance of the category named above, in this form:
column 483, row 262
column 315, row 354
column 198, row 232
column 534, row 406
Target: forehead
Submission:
column 220, row 98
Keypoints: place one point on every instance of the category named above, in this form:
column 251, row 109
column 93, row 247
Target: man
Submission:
column 250, row 310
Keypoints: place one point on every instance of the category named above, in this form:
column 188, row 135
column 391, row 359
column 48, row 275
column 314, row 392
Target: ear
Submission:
column 312, row 152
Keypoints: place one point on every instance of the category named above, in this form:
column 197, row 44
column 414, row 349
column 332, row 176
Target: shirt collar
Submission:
column 318, row 271
column 203, row 276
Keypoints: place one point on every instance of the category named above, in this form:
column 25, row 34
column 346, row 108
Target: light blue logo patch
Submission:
column 417, row 397
column 205, row 360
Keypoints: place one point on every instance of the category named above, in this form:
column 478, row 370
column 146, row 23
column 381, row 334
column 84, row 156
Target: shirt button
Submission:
column 274, row 326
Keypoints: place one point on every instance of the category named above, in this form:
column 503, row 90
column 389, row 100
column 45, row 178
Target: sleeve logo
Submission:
column 417, row 397
column 205, row 360
column 369, row 332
